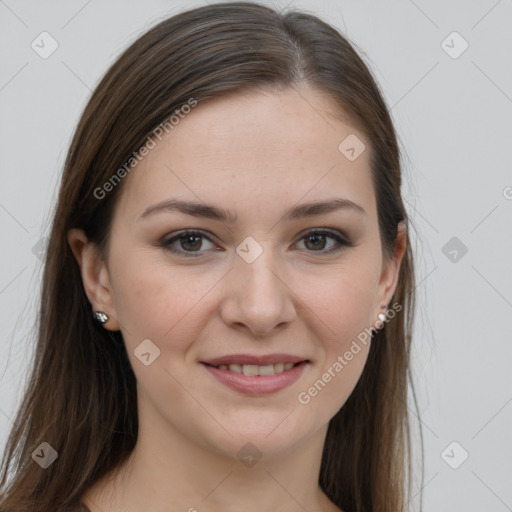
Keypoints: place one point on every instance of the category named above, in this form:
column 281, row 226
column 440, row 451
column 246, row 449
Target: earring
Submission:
column 381, row 317
column 100, row 317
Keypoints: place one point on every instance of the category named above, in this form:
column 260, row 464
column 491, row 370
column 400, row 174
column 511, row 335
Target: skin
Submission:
column 255, row 154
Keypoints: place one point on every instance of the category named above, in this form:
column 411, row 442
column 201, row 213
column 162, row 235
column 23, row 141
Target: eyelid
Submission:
column 326, row 231
column 176, row 235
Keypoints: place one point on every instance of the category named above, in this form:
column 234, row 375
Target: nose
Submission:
column 258, row 296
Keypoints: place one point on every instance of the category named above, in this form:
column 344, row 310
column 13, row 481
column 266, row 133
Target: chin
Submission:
column 273, row 434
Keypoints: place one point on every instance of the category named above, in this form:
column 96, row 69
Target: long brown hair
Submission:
column 81, row 394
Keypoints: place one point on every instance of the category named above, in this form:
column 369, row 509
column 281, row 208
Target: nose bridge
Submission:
column 259, row 298
column 258, row 276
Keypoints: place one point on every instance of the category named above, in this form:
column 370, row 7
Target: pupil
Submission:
column 317, row 237
column 192, row 237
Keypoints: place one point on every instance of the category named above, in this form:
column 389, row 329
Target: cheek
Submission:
column 344, row 304
column 345, row 310
column 329, row 390
column 343, row 299
column 157, row 302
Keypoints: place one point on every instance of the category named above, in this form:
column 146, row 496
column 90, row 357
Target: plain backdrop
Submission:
column 445, row 70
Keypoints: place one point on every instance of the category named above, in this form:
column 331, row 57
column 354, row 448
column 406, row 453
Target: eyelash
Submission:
column 166, row 243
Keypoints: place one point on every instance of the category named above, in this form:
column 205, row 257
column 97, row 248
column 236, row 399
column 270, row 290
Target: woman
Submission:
column 227, row 299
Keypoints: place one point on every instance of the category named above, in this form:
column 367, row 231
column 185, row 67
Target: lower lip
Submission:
column 257, row 384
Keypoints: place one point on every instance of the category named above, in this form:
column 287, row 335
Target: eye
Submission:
column 315, row 239
column 191, row 241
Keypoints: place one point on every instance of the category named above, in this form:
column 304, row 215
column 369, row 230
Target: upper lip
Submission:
column 256, row 360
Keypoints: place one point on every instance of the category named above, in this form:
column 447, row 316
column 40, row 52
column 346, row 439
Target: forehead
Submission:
column 254, row 149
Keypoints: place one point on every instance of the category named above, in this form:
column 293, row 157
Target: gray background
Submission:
column 453, row 115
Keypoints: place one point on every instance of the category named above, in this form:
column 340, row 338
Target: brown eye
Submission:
column 315, row 241
column 189, row 242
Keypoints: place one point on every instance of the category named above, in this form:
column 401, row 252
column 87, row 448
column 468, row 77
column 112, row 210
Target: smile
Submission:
column 257, row 380
column 253, row 369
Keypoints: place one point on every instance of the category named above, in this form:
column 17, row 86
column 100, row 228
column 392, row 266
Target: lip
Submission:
column 253, row 359
column 258, row 384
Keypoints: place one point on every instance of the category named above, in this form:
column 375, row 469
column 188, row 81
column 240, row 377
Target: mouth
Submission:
column 254, row 370
column 257, row 380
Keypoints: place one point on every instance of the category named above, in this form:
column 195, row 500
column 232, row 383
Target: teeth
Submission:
column 253, row 369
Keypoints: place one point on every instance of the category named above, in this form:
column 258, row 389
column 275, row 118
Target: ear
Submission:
column 95, row 277
column 390, row 273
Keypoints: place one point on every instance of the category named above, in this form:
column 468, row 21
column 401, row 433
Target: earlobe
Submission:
column 95, row 277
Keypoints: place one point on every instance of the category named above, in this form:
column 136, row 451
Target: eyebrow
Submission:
column 213, row 212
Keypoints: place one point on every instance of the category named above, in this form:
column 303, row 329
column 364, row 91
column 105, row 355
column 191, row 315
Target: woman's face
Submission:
column 258, row 282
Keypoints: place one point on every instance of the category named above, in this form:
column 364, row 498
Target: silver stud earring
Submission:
column 382, row 316
column 100, row 317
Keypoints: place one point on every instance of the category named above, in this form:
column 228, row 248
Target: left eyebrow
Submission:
column 213, row 212
column 320, row 208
